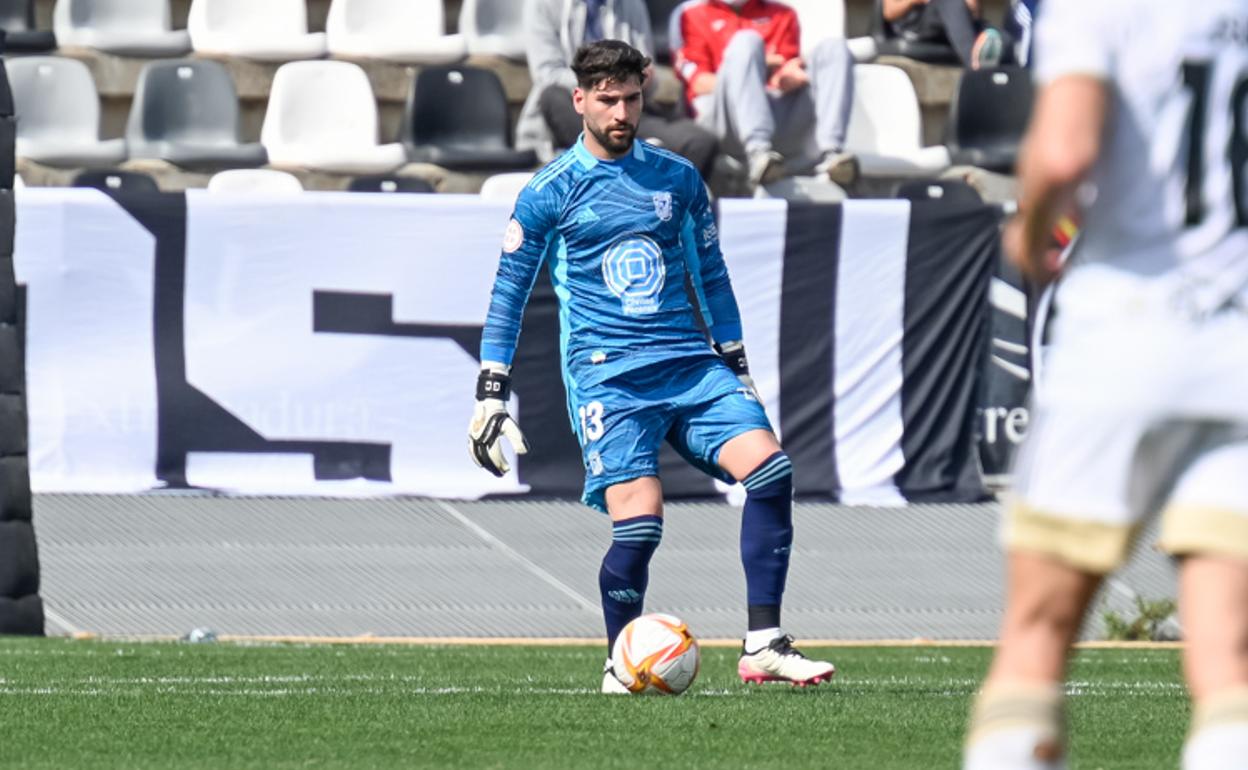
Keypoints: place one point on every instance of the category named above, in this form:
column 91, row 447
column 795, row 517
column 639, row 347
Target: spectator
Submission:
column 957, row 22
column 553, row 30
column 744, row 77
column 1018, row 20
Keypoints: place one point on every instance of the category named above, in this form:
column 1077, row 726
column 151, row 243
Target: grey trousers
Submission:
column 801, row 125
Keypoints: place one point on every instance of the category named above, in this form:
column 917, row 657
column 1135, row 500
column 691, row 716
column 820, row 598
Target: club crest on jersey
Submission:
column 633, row 270
column 663, row 206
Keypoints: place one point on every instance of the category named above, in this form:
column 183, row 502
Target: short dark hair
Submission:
column 607, row 60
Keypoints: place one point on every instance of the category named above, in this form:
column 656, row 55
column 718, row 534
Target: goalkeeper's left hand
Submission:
column 491, row 422
column 733, row 354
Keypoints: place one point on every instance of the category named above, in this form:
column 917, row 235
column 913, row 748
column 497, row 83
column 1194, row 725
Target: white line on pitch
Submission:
column 545, row 576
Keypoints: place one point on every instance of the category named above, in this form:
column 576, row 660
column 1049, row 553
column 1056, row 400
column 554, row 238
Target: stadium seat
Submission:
column 267, row 30
column 493, row 28
column 457, row 118
column 947, row 190
column 124, row 27
column 803, row 188
column 18, row 182
column 661, row 12
column 17, row 19
column 388, row 183
column 885, row 126
column 186, row 111
column 988, row 117
column 409, row 31
column 888, row 44
column 323, row 115
column 254, row 180
column 505, row 187
column 117, row 181
column 58, row 113
column 819, row 19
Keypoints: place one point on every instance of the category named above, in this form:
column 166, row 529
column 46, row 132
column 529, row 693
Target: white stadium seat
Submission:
column 126, row 27
column 254, row 180
column 408, row 31
column 266, row 30
column 58, row 113
column 505, row 187
column 885, row 126
column 18, row 182
column 323, row 115
column 493, row 28
column 820, row 20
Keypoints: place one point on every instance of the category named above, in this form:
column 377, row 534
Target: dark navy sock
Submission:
column 626, row 571
column 767, row 538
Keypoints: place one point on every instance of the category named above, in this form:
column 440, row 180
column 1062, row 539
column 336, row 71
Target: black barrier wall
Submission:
column 21, row 610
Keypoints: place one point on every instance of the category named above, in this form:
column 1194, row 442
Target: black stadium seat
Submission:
column 945, row 190
column 457, row 118
column 186, row 111
column 117, row 181
column 386, row 183
column 660, row 27
column 988, row 116
column 889, row 44
column 17, row 19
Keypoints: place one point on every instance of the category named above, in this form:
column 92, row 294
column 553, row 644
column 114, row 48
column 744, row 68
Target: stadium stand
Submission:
column 409, row 31
column 384, row 183
column 888, row 44
column 123, row 27
column 322, row 115
column 113, row 180
column 185, row 111
column 947, row 190
column 806, row 189
column 885, row 126
column 505, row 187
column 457, row 118
column 18, row 184
column 273, row 30
column 254, row 180
column 660, row 21
column 988, row 116
column 59, row 113
column 21, row 35
column 493, row 28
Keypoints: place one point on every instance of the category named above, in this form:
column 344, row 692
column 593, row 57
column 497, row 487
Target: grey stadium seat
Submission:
column 17, row 19
column 58, row 113
column 186, row 112
column 125, row 27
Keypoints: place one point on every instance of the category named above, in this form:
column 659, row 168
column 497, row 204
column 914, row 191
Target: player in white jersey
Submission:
column 1141, row 124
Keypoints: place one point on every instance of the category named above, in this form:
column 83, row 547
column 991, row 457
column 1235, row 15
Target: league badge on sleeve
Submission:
column 513, row 238
column 663, row 206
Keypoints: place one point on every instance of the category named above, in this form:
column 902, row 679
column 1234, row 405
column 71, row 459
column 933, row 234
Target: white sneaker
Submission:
column 780, row 661
column 610, row 684
column 838, row 167
column 766, row 166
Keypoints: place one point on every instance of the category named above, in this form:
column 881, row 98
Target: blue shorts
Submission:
column 696, row 404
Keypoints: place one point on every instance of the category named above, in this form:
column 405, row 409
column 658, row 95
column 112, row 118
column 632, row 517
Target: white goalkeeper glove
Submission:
column 733, row 354
column 491, row 422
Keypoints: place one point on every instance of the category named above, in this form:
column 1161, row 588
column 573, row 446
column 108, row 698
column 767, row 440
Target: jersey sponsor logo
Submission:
column 513, row 238
column 633, row 270
column 663, row 206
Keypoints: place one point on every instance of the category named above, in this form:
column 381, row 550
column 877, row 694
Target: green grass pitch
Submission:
column 100, row 704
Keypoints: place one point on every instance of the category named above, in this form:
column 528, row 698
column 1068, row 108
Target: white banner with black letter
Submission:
column 326, row 344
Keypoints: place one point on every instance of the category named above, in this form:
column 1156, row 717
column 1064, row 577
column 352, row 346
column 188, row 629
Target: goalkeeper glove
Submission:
column 733, row 354
column 491, row 422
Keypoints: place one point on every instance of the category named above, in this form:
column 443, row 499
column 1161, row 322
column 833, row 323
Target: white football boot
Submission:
column 780, row 661
column 610, row 684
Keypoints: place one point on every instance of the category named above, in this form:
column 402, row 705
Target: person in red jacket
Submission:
column 744, row 76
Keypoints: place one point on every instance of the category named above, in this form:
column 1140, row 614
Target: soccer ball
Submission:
column 656, row 654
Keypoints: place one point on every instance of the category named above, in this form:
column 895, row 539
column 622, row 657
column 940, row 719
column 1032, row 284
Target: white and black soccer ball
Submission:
column 656, row 654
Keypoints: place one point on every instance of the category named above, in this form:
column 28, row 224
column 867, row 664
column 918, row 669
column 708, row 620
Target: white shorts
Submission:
column 1142, row 411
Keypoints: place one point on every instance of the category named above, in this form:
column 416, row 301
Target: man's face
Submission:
column 611, row 111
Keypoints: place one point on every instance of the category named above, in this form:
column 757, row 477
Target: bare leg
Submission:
column 742, row 454
column 639, row 497
column 1213, row 601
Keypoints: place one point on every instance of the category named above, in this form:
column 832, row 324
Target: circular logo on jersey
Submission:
column 634, row 271
column 513, row 238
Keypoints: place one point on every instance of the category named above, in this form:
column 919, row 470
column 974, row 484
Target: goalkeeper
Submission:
column 622, row 224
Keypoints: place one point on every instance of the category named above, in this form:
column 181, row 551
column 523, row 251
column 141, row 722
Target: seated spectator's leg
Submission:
column 741, row 103
column 560, row 114
column 831, row 68
column 960, row 27
column 683, row 137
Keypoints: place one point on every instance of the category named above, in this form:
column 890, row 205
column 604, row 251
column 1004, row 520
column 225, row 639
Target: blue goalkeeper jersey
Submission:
column 620, row 238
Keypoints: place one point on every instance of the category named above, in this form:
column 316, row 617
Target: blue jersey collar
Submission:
column 587, row 159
